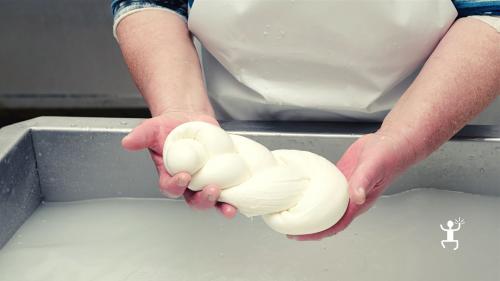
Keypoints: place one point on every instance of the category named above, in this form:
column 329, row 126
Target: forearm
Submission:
column 459, row 80
column 162, row 59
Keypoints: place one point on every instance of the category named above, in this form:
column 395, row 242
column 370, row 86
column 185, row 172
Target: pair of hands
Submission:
column 369, row 164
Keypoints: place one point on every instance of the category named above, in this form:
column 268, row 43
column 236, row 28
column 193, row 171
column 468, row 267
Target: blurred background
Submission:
column 59, row 57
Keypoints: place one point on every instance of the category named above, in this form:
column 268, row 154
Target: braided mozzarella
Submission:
column 296, row 192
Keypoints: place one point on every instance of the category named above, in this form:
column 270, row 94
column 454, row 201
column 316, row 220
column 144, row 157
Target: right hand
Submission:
column 151, row 134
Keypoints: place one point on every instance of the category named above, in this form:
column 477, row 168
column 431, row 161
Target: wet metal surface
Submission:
column 159, row 239
column 82, row 158
column 66, row 159
column 19, row 186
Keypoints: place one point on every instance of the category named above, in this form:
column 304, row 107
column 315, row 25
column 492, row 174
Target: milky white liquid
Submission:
column 155, row 239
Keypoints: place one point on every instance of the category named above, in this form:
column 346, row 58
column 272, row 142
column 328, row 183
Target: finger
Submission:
column 347, row 218
column 349, row 160
column 362, row 181
column 175, row 186
column 226, row 210
column 143, row 136
column 171, row 187
column 165, row 181
column 158, row 161
column 204, row 199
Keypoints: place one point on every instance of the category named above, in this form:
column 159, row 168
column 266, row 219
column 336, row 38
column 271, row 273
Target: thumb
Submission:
column 143, row 136
column 362, row 181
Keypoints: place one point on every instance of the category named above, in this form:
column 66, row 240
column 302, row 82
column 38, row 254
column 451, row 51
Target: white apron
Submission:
column 314, row 60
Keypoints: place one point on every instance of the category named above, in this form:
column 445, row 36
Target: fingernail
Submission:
column 166, row 193
column 211, row 197
column 182, row 182
column 361, row 195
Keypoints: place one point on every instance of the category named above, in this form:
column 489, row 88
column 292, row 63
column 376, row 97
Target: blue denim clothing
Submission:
column 119, row 7
column 477, row 7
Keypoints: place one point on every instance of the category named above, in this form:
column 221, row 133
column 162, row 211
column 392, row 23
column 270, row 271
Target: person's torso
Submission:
column 314, row 60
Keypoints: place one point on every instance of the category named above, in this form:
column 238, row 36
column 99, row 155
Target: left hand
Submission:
column 370, row 164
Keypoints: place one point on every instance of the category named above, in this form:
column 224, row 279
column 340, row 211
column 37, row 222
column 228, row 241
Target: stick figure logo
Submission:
column 450, row 232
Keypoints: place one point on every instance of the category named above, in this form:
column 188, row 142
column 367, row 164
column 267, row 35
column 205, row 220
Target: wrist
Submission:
column 402, row 142
column 182, row 115
column 201, row 107
column 191, row 111
column 423, row 136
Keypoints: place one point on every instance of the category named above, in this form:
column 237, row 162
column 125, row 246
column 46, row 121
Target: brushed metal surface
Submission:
column 19, row 186
column 161, row 239
column 66, row 159
column 95, row 165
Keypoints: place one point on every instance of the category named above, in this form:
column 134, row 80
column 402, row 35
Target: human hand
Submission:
column 151, row 134
column 370, row 164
